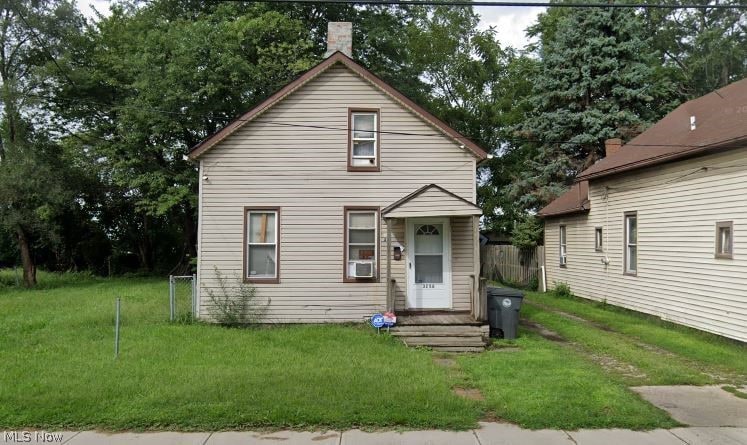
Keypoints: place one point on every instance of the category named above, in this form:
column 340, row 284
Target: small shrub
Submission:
column 533, row 283
column 562, row 290
column 236, row 306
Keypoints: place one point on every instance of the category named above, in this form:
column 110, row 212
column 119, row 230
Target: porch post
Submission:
column 476, row 301
column 389, row 297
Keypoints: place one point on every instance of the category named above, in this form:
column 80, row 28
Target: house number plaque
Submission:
column 428, row 286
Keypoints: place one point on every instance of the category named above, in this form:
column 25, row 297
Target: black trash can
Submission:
column 503, row 311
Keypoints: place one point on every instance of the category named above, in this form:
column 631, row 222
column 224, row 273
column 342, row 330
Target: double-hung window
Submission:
column 631, row 243
column 563, row 246
column 724, row 239
column 261, row 244
column 363, row 152
column 361, row 243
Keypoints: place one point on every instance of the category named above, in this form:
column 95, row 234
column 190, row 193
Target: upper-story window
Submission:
column 363, row 151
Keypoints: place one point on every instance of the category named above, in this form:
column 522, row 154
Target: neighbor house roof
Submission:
column 336, row 58
column 431, row 200
column 575, row 200
column 720, row 120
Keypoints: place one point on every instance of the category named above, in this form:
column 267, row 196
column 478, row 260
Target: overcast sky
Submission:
column 509, row 22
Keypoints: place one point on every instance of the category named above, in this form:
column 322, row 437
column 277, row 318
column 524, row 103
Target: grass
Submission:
column 544, row 385
column 57, row 369
column 632, row 361
column 709, row 353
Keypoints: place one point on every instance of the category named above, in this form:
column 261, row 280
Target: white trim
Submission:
column 410, row 265
column 199, row 238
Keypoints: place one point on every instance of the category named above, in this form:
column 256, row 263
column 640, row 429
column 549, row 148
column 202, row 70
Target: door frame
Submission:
column 410, row 258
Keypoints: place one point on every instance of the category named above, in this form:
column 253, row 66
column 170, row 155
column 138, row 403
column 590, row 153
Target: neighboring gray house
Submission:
column 338, row 197
column 660, row 224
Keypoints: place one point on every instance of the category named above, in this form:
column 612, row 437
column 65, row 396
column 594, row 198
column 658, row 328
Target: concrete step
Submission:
column 445, row 329
column 444, row 341
column 424, row 333
column 458, row 348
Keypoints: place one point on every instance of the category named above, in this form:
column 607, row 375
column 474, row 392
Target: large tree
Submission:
column 152, row 81
column 600, row 78
column 706, row 47
column 33, row 190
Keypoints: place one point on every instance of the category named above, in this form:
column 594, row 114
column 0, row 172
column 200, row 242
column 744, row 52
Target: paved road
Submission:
column 487, row 434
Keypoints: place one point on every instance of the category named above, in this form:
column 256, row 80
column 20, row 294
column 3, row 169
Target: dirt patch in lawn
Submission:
column 469, row 393
column 607, row 362
column 542, row 331
column 445, row 362
column 614, row 365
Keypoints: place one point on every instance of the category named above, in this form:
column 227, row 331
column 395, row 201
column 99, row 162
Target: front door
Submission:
column 428, row 264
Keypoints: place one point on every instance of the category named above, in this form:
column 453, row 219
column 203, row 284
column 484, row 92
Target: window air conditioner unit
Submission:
column 563, row 260
column 363, row 269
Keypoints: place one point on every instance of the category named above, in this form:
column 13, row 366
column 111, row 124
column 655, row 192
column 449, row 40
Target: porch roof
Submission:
column 431, row 200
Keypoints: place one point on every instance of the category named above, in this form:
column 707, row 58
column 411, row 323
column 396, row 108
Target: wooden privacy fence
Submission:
column 511, row 265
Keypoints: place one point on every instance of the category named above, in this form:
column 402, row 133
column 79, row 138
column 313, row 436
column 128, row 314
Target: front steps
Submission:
column 444, row 338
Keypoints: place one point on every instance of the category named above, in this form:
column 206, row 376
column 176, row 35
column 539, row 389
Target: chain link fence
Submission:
column 182, row 298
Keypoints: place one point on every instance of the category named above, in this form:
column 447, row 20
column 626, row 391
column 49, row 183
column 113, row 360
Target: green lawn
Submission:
column 57, row 370
column 710, row 351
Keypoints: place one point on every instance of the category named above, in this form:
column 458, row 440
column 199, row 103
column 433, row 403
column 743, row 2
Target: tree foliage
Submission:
column 600, row 78
column 95, row 122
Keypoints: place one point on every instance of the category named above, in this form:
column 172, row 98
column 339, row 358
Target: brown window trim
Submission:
column 352, row 168
column 600, row 247
column 345, row 278
column 730, row 226
column 625, row 244
column 245, row 278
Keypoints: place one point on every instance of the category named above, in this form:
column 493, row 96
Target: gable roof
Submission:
column 335, row 58
column 720, row 120
column 431, row 200
column 575, row 200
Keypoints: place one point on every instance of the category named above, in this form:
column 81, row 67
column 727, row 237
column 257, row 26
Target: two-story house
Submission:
column 339, row 197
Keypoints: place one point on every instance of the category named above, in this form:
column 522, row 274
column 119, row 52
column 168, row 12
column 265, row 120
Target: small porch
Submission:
column 432, row 270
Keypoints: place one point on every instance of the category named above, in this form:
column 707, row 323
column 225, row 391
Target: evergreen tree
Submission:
column 600, row 78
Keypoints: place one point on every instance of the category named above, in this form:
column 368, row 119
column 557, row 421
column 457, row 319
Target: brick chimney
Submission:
column 339, row 38
column 612, row 146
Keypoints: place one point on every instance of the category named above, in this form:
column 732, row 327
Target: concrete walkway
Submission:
column 487, row 434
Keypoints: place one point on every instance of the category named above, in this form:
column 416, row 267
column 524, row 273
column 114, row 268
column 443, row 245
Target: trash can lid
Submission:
column 504, row 292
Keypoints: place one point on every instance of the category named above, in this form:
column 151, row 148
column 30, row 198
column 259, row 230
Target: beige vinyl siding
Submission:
column 304, row 172
column 431, row 201
column 678, row 277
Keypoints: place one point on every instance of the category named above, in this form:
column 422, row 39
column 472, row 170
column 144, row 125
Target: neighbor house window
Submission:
column 261, row 244
column 361, row 243
column 563, row 246
column 631, row 243
column 363, row 146
column 598, row 239
column 724, row 239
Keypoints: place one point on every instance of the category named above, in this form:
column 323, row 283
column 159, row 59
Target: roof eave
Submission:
column 338, row 57
column 669, row 157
